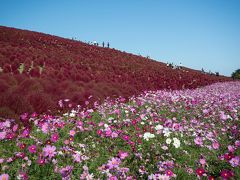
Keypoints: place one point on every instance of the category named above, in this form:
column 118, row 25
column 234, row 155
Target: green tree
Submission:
column 236, row 74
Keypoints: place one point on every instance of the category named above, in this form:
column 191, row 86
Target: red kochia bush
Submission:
column 42, row 101
column 75, row 70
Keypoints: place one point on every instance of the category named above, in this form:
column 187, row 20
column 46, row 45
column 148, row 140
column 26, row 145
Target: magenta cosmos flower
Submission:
column 226, row 174
column 26, row 132
column 211, row 178
column 126, row 138
column 41, row 161
column 54, row 137
column 200, row 171
column 169, row 173
column 49, row 151
column 99, row 132
column 32, row 149
column 10, row 136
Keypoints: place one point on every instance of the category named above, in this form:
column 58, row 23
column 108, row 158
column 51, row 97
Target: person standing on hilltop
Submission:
column 103, row 44
column 108, row 45
column 180, row 66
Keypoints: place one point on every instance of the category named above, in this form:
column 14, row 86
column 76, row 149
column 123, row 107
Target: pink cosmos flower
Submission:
column 122, row 154
column 215, row 145
column 198, row 141
column 202, row 161
column 15, row 127
column 4, row 177
column 54, row 137
column 3, row 135
column 20, row 155
column 108, row 132
column 66, row 142
column 32, row 149
column 223, row 116
column 60, row 103
column 176, row 126
column 7, row 124
column 114, row 163
column 24, row 116
column 189, row 170
column 49, row 151
column 205, row 111
column 231, row 148
column 66, row 172
column 113, row 178
column 72, row 132
column 1, row 160
column 237, row 143
column 77, row 158
column 114, row 135
column 23, row 175
column 235, row 161
column 10, row 160
column 101, row 124
column 45, row 128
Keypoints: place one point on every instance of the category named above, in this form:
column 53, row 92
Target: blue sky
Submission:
column 197, row 33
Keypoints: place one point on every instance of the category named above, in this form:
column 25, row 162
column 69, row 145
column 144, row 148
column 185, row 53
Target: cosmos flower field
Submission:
column 182, row 134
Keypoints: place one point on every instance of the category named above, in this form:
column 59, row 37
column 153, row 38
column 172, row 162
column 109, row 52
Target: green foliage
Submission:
column 236, row 74
column 21, row 68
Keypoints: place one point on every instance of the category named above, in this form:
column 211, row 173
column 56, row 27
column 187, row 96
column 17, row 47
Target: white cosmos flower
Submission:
column 72, row 114
column 176, row 142
column 148, row 135
column 65, row 114
column 159, row 127
column 168, row 141
column 166, row 132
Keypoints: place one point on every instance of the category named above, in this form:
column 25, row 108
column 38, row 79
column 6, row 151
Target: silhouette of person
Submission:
column 103, row 44
column 108, row 45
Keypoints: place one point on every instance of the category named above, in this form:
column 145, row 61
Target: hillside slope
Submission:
column 37, row 70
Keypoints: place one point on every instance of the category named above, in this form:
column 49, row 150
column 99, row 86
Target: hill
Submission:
column 37, row 70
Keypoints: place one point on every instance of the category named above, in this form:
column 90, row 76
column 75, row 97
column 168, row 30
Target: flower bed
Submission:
column 189, row 134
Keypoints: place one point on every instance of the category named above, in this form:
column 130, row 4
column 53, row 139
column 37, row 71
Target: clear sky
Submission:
column 197, row 33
